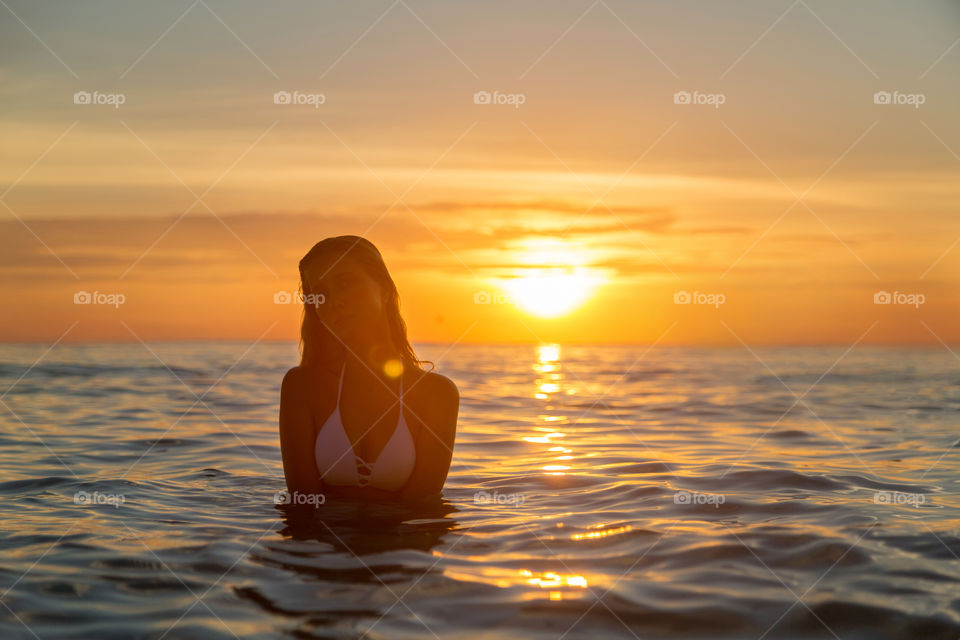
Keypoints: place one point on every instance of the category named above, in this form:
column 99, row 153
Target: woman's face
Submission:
column 352, row 303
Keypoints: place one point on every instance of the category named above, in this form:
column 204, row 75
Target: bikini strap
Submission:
column 340, row 387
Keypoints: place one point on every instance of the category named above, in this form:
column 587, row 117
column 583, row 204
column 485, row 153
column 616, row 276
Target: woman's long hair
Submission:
column 317, row 343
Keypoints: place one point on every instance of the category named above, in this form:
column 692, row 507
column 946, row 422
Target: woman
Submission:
column 359, row 417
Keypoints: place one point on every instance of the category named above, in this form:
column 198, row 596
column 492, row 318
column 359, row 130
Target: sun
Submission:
column 550, row 292
column 556, row 281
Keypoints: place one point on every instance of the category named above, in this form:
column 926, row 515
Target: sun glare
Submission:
column 551, row 292
column 553, row 279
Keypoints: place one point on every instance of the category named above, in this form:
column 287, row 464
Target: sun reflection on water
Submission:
column 549, row 579
column 558, row 586
column 548, row 353
column 603, row 533
column 548, row 383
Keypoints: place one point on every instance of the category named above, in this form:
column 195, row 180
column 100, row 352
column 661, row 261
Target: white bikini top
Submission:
column 339, row 465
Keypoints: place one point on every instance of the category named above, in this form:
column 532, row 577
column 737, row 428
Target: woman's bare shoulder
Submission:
column 437, row 384
column 293, row 380
column 435, row 392
column 297, row 380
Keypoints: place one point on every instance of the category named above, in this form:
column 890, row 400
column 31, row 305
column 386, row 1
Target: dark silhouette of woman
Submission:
column 359, row 417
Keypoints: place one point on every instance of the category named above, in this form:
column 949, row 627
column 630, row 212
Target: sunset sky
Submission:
column 584, row 191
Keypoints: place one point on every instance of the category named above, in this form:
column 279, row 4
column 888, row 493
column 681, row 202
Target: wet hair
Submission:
column 317, row 343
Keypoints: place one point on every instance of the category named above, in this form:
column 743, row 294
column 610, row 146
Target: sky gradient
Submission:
column 794, row 202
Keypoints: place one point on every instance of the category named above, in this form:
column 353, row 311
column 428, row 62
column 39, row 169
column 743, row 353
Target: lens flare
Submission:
column 393, row 368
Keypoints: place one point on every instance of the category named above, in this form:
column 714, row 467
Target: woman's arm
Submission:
column 435, row 438
column 296, row 430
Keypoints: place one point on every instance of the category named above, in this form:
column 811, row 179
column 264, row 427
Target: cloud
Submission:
column 105, row 247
